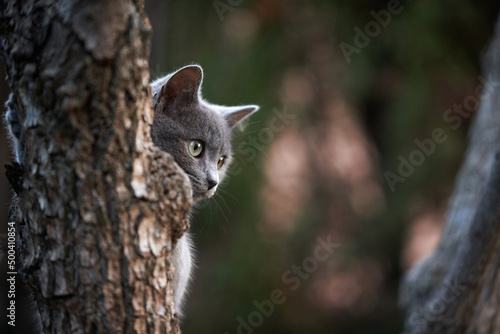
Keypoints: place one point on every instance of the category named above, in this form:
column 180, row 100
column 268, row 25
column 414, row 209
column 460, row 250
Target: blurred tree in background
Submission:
column 311, row 163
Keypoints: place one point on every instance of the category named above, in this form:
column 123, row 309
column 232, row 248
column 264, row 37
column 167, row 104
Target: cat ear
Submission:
column 183, row 85
column 234, row 115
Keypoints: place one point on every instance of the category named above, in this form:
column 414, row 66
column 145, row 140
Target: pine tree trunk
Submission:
column 99, row 208
column 456, row 289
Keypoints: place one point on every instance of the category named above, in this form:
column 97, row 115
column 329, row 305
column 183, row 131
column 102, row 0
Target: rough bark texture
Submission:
column 456, row 289
column 99, row 207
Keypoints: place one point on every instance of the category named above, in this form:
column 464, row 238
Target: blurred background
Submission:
column 347, row 92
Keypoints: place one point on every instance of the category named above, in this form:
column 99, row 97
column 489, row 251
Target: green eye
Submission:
column 220, row 163
column 195, row 147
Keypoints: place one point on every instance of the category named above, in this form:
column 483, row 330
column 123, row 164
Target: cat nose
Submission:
column 211, row 183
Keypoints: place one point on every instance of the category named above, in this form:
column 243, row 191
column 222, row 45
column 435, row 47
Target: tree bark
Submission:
column 99, row 207
column 455, row 289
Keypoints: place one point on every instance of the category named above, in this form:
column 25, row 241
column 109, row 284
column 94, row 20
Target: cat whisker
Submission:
column 223, row 215
column 224, row 202
column 204, row 229
column 229, row 194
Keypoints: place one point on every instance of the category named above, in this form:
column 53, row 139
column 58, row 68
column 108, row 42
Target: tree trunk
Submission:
column 455, row 290
column 99, row 208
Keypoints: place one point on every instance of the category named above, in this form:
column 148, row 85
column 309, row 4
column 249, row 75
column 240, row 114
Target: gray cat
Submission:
column 196, row 133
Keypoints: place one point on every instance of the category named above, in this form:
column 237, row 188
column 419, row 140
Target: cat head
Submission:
column 196, row 133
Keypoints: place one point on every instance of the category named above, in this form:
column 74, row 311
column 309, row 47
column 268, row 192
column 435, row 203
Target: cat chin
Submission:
column 204, row 195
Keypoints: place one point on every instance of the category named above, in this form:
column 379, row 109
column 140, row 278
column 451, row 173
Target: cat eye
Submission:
column 195, row 147
column 220, row 163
